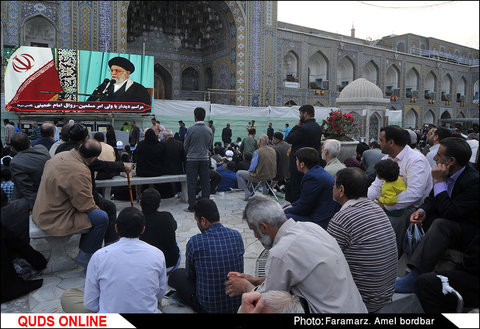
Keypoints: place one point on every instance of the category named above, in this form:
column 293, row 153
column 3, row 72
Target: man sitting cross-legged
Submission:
column 160, row 227
column 127, row 276
column 210, row 256
column 303, row 259
column 366, row 238
column 315, row 203
column 449, row 214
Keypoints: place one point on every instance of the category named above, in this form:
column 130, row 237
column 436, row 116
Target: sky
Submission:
column 453, row 21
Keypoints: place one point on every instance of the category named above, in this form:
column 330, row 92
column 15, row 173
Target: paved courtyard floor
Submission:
column 47, row 298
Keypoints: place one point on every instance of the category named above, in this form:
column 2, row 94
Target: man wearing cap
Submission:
column 227, row 171
column 123, row 89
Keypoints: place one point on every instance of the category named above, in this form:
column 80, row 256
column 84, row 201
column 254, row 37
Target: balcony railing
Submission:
column 445, row 56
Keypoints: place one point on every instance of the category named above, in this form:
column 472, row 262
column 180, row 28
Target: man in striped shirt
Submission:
column 365, row 235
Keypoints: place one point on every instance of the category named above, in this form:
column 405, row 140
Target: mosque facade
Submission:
column 237, row 52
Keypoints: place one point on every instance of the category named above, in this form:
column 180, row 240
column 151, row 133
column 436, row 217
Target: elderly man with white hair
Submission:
column 303, row 259
column 330, row 150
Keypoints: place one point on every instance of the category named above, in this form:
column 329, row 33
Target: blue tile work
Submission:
column 67, row 68
column 105, row 26
column 30, row 9
column 64, row 24
column 256, row 48
column 13, row 28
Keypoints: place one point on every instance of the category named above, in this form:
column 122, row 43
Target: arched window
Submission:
column 445, row 115
column 429, row 117
column 429, row 85
column 190, row 79
column 290, row 67
column 411, row 83
column 345, row 73
column 318, row 71
column 392, row 81
column 411, row 119
column 39, row 32
column 162, row 83
column 374, row 127
column 475, row 92
column 446, row 87
column 413, row 48
column 370, row 72
column 401, row 47
column 461, row 89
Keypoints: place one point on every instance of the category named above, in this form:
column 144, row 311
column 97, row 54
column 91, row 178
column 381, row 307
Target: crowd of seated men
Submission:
column 356, row 211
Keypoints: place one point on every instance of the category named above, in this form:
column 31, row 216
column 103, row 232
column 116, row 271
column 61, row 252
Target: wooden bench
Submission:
column 122, row 181
column 59, row 259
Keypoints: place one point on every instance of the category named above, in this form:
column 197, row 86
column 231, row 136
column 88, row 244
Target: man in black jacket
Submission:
column 173, row 162
column 173, row 155
column 227, row 135
column 27, row 167
column 307, row 133
column 160, row 227
column 47, row 131
column 449, row 214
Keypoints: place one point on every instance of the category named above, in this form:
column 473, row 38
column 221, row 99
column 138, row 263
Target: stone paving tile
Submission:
column 47, row 298
column 74, row 282
column 50, row 306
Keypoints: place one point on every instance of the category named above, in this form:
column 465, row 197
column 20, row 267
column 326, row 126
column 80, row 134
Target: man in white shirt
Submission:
column 303, row 259
column 415, row 172
column 128, row 276
column 434, row 136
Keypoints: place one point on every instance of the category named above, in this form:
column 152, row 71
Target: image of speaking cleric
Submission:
column 121, row 88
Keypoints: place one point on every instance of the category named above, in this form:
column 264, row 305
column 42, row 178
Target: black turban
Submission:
column 123, row 63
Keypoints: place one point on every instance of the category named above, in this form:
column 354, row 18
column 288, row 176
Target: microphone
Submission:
column 109, row 89
column 101, row 87
column 95, row 96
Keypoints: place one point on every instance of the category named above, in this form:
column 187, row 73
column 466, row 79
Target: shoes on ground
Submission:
column 406, row 284
column 83, row 258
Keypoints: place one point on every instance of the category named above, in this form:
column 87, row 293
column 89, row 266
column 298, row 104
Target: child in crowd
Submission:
column 7, row 184
column 389, row 171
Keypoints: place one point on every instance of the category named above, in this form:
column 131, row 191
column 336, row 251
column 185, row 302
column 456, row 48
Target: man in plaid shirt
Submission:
column 210, row 256
column 7, row 184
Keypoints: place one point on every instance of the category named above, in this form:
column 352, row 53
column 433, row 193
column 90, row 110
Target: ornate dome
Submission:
column 361, row 88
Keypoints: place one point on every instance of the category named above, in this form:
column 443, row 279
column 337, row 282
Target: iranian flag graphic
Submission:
column 31, row 70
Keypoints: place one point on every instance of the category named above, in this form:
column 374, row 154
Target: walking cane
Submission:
column 130, row 189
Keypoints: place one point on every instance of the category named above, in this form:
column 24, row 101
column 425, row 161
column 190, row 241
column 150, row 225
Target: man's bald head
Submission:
column 90, row 150
column 47, row 130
